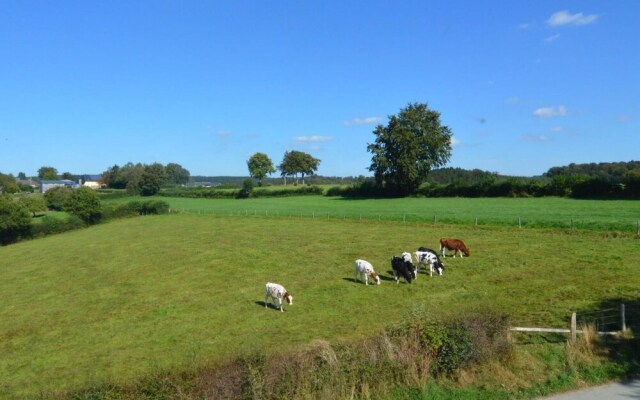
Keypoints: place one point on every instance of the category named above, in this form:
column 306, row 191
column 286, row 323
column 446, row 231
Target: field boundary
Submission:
column 519, row 222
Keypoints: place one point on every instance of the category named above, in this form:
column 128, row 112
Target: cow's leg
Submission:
column 266, row 298
column 280, row 300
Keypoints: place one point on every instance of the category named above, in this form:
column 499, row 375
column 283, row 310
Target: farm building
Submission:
column 46, row 185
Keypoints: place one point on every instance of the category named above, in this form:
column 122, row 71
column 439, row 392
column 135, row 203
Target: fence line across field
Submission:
column 521, row 223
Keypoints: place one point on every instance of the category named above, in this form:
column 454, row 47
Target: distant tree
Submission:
column 35, row 203
column 176, row 174
column 8, row 184
column 297, row 162
column 631, row 181
column 57, row 198
column 153, row 177
column 405, row 151
column 14, row 220
column 68, row 175
column 22, row 176
column 260, row 165
column 48, row 173
column 85, row 204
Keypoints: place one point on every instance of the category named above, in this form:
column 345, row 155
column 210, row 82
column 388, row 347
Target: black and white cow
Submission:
column 429, row 257
column 404, row 268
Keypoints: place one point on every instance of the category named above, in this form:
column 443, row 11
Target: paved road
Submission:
column 613, row 391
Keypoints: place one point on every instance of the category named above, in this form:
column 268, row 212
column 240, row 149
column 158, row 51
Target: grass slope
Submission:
column 120, row 300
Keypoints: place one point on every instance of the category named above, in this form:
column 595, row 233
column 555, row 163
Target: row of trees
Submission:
column 144, row 179
column 293, row 163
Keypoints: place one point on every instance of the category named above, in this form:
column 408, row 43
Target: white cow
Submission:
column 364, row 268
column 277, row 292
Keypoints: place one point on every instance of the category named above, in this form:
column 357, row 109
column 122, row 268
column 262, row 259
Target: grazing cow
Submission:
column 407, row 257
column 364, row 268
column 404, row 268
column 456, row 245
column 277, row 292
column 429, row 257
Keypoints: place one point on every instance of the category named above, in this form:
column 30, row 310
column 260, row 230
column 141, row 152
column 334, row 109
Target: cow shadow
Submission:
column 269, row 306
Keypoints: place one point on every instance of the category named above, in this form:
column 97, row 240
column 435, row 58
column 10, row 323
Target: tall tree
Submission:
column 153, row 177
column 176, row 174
column 412, row 143
column 297, row 162
column 260, row 165
column 48, row 173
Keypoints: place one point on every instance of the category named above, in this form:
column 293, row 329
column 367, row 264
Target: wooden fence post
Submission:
column 573, row 327
column 622, row 317
column 519, row 223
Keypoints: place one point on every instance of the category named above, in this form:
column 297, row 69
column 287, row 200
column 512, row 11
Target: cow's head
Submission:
column 288, row 298
column 375, row 277
column 465, row 250
column 439, row 267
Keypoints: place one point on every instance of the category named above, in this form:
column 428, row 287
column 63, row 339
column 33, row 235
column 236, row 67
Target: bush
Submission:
column 57, row 198
column 15, row 220
column 85, row 204
column 155, row 207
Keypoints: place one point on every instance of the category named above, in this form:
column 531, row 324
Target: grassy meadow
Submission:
column 546, row 212
column 118, row 301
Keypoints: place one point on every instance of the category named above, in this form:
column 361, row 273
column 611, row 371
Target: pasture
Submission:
column 546, row 212
column 121, row 300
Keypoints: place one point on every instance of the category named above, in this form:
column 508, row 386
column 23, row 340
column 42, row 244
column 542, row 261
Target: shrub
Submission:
column 85, row 204
column 57, row 197
column 155, row 207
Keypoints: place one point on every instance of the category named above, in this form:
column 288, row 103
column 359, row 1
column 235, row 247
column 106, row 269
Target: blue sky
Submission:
column 523, row 85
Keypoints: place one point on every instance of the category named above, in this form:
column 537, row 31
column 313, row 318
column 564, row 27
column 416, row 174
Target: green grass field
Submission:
column 548, row 212
column 117, row 301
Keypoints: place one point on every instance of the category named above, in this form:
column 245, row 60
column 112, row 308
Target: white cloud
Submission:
column 623, row 118
column 455, row 142
column 534, row 138
column 561, row 18
column 548, row 112
column 312, row 139
column 363, row 121
column 552, row 38
column 556, row 129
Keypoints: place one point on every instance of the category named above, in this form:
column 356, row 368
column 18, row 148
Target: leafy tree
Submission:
column 8, row 184
column 85, row 204
column 405, row 151
column 48, row 173
column 153, row 177
column 176, row 175
column 22, row 176
column 14, row 220
column 260, row 165
column 35, row 203
column 57, row 198
column 68, row 175
column 297, row 162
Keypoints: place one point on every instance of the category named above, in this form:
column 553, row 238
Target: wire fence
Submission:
column 494, row 220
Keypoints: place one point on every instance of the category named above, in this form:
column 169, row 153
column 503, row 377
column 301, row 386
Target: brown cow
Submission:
column 456, row 245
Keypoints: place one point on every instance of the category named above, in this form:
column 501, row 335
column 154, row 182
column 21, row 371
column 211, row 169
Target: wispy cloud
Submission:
column 455, row 142
column 562, row 18
column 534, row 138
column 223, row 134
column 548, row 112
column 524, row 26
column 363, row 121
column 623, row 118
column 312, row 139
column 556, row 129
column 552, row 38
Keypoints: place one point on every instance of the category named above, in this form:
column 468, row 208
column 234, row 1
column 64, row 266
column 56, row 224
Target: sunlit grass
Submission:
column 119, row 300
